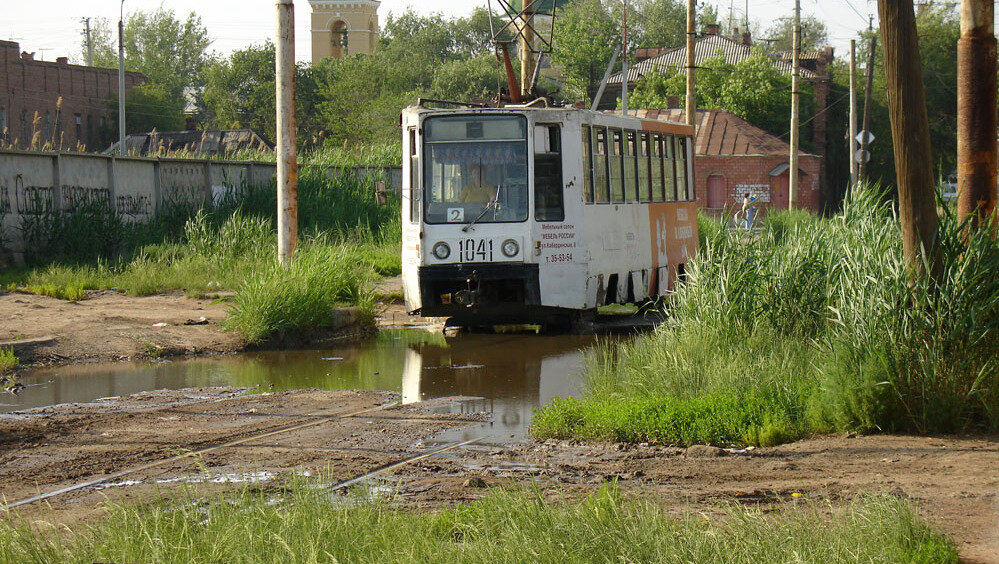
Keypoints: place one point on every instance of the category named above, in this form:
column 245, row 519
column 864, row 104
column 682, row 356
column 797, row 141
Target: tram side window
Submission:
column 587, row 165
column 630, row 166
column 658, row 194
column 684, row 192
column 548, row 199
column 414, row 179
column 669, row 173
column 600, row 187
column 644, row 152
column 616, row 166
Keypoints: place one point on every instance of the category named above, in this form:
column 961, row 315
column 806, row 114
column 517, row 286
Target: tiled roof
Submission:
column 721, row 133
column 674, row 60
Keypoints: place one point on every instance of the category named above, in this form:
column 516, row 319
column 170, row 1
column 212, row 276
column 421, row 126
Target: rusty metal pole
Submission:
column 527, row 49
column 910, row 131
column 976, row 112
column 853, row 114
column 287, row 156
column 691, row 105
column 792, row 184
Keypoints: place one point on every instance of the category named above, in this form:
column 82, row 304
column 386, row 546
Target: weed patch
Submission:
column 304, row 525
column 8, row 360
column 810, row 325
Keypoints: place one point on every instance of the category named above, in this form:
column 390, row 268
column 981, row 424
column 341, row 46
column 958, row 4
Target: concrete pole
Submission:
column 527, row 50
column 853, row 114
column 90, row 45
column 287, row 131
column 691, row 105
column 862, row 170
column 910, row 131
column 976, row 112
column 121, row 81
column 624, row 60
column 792, row 184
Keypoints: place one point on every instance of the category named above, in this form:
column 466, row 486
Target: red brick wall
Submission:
column 28, row 86
column 754, row 170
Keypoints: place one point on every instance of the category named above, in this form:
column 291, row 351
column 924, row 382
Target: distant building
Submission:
column 343, row 27
column 673, row 60
column 733, row 157
column 28, row 86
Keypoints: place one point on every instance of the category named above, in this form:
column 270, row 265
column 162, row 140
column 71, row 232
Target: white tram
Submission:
column 541, row 215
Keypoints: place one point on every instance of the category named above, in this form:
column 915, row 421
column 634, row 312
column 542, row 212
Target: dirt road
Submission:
column 348, row 434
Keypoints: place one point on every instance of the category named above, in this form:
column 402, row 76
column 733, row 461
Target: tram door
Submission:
column 549, row 201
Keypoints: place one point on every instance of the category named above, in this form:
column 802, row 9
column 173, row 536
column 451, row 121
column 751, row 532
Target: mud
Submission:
column 110, row 326
column 343, row 435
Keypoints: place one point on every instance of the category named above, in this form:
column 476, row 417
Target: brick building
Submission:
column 30, row 86
column 734, row 157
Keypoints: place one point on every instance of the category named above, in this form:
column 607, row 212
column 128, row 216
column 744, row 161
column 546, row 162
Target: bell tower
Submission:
column 343, row 27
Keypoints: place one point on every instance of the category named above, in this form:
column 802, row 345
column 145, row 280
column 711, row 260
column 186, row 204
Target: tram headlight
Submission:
column 441, row 250
column 510, row 248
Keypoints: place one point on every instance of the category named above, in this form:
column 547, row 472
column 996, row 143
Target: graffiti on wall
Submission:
column 30, row 200
column 134, row 206
column 85, row 197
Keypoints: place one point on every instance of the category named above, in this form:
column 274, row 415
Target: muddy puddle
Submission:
column 505, row 375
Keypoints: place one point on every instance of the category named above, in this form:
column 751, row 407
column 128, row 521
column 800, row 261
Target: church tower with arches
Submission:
column 343, row 27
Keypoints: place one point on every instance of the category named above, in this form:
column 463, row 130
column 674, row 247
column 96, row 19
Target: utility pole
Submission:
column 287, row 131
column 90, row 45
column 121, row 81
column 792, row 184
column 910, row 131
column 624, row 60
column 527, row 50
column 976, row 113
column 862, row 170
column 691, row 104
column 853, row 114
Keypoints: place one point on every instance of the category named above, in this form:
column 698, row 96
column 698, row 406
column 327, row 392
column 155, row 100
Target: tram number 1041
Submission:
column 471, row 250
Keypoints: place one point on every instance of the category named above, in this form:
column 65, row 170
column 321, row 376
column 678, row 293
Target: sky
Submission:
column 51, row 28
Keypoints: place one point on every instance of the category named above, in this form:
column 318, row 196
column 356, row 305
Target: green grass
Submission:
column 810, row 325
column 304, row 525
column 8, row 360
column 345, row 241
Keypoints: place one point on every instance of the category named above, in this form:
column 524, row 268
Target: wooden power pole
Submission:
column 910, row 132
column 691, row 105
column 853, row 115
column 287, row 156
column 792, row 184
column 527, row 50
column 976, row 112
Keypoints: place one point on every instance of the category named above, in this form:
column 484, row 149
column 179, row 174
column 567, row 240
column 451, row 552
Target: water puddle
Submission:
column 505, row 375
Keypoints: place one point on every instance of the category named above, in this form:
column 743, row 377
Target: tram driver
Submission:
column 477, row 190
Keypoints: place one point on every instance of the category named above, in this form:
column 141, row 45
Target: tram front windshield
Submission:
column 475, row 168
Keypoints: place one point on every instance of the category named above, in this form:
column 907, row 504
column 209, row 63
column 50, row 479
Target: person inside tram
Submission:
column 477, row 190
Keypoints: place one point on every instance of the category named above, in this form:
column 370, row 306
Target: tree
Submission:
column 239, row 92
column 168, row 51
column 585, row 36
column 814, row 34
column 661, row 23
column 753, row 89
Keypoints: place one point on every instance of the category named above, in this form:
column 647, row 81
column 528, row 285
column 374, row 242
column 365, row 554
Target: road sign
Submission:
column 860, row 137
column 862, row 156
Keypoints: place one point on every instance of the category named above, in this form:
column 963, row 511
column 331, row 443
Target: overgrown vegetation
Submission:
column 810, row 326
column 304, row 525
column 203, row 248
column 8, row 360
